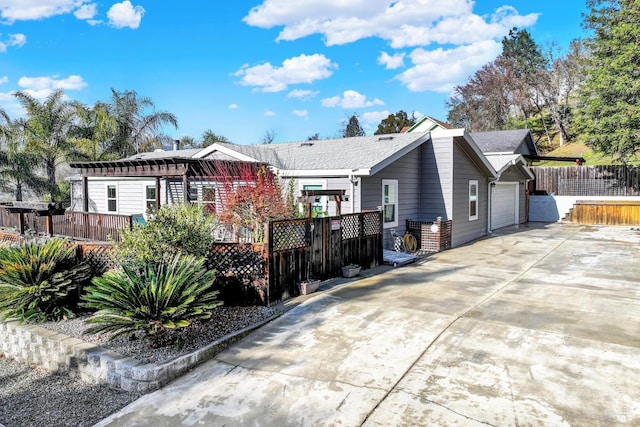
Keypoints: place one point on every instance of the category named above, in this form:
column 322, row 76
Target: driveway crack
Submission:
column 455, row 320
column 460, row 414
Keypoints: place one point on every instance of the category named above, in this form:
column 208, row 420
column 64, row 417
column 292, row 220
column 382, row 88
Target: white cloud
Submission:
column 23, row 10
column 373, row 118
column 233, row 106
column 296, row 70
column 391, row 62
column 41, row 87
column 269, row 113
column 350, row 99
column 403, row 23
column 124, row 14
column 14, row 40
column 439, row 33
column 3, row 80
column 441, row 69
column 301, row 113
column 302, row 95
column 87, row 12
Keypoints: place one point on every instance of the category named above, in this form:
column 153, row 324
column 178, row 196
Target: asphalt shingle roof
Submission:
column 162, row 154
column 504, row 141
column 329, row 154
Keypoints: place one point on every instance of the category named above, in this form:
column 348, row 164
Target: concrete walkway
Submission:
column 532, row 326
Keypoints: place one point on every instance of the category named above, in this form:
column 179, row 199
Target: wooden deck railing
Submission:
column 76, row 225
column 91, row 226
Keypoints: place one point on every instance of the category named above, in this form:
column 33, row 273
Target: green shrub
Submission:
column 153, row 300
column 39, row 281
column 184, row 228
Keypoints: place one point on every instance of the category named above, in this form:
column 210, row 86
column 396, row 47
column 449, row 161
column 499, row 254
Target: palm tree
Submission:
column 17, row 165
column 5, row 122
column 47, row 130
column 138, row 124
column 95, row 132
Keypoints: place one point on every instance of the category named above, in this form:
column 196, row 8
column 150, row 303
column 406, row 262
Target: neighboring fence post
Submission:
column 49, row 224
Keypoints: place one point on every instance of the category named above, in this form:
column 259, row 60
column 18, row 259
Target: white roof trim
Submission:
column 216, row 147
column 516, row 160
column 324, row 172
column 477, row 150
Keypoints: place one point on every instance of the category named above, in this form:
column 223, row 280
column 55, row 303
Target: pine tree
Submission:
column 609, row 110
column 352, row 128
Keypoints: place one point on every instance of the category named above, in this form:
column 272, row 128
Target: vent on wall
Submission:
column 385, row 138
column 306, row 144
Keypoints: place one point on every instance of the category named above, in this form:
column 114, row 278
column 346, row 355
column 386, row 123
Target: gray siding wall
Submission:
column 464, row 170
column 406, row 171
column 511, row 175
column 436, row 179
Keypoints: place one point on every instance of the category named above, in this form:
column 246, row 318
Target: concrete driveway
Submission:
column 532, row 326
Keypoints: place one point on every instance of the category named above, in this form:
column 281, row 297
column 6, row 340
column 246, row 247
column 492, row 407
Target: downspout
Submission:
column 490, row 186
column 352, row 199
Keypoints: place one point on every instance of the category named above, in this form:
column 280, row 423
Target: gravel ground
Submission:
column 29, row 396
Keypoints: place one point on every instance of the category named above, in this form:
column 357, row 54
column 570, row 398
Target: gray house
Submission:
column 409, row 176
column 508, row 151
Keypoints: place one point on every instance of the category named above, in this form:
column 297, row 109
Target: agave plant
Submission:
column 39, row 281
column 152, row 300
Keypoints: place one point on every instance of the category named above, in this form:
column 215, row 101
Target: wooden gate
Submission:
column 302, row 249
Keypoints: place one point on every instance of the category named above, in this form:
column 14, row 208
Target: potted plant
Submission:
column 309, row 284
column 351, row 270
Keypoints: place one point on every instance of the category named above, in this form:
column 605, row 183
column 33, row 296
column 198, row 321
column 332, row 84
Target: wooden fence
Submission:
column 605, row 212
column 611, row 180
column 300, row 249
column 75, row 225
column 256, row 273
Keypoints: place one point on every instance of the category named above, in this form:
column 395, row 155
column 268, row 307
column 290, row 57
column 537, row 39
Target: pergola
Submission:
column 160, row 168
column 310, row 196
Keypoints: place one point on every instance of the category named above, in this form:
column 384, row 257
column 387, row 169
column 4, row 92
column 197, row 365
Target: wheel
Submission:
column 410, row 242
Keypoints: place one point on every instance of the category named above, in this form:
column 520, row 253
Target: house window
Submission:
column 209, row 198
column 150, row 198
column 317, row 205
column 473, row 200
column 390, row 202
column 112, row 198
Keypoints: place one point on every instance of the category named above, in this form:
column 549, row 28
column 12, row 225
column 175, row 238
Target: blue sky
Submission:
column 292, row 68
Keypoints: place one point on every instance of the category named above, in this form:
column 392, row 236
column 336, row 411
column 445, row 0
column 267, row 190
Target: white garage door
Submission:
column 504, row 198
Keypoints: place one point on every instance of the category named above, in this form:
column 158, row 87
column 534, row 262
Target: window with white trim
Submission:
column 112, row 198
column 390, row 203
column 473, row 199
column 151, row 203
column 209, row 198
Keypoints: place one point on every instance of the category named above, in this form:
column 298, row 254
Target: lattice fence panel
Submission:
column 99, row 257
column 350, row 227
column 242, row 276
column 9, row 237
column 237, row 260
column 289, row 235
column 372, row 224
